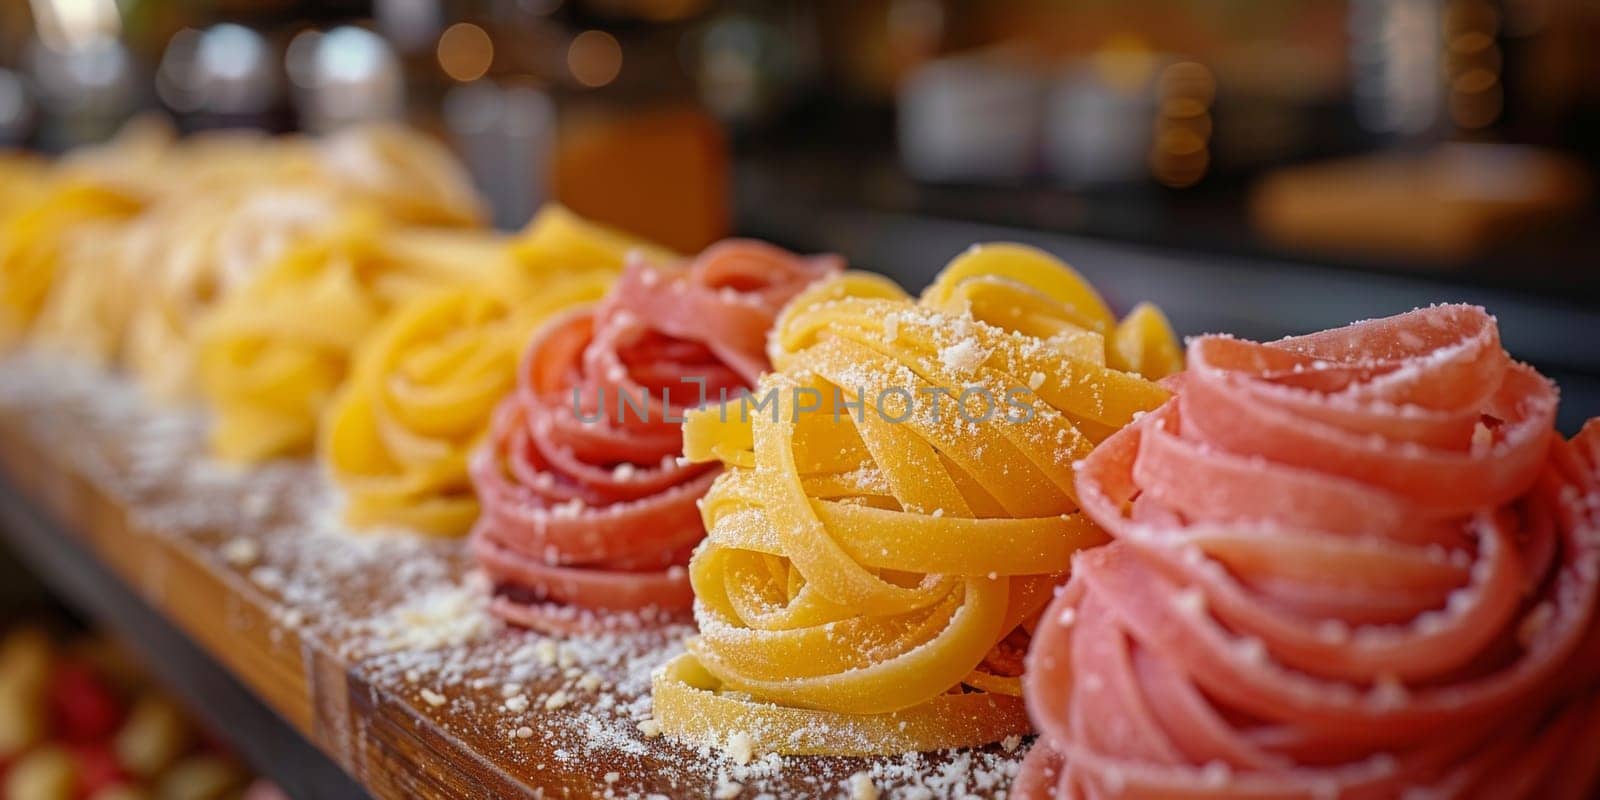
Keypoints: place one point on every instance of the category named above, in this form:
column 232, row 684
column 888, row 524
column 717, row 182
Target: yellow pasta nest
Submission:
column 193, row 251
column 397, row 437
column 85, row 312
column 213, row 210
column 114, row 270
column 272, row 353
column 559, row 242
column 148, row 159
column 34, row 238
column 878, row 545
column 414, row 178
column 56, row 220
column 23, row 179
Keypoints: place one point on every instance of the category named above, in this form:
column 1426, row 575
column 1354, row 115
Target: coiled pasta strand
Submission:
column 1357, row 563
column 871, row 571
column 587, row 510
column 273, row 353
column 422, row 388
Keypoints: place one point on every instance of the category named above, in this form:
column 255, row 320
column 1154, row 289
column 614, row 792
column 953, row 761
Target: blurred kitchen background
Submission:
column 1259, row 167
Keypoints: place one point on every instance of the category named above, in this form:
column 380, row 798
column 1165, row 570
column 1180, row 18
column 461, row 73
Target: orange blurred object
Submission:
column 1448, row 204
column 662, row 175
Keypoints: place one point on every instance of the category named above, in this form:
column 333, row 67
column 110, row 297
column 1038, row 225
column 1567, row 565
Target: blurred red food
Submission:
column 83, row 708
column 97, row 768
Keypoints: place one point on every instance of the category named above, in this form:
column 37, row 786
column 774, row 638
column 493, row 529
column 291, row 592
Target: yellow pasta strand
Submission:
column 1143, row 343
column 272, row 353
column 398, row 435
column 148, row 159
column 872, row 564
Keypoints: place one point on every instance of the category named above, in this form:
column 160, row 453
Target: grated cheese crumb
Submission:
column 862, row 787
column 241, row 552
column 740, row 748
column 963, row 357
column 545, row 651
column 726, row 789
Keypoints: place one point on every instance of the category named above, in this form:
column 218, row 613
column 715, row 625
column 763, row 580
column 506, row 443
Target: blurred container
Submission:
column 85, row 80
column 973, row 118
column 1128, row 115
column 748, row 66
column 412, row 26
column 344, row 76
column 16, row 109
column 1397, row 57
column 1100, row 126
column 226, row 75
column 661, row 174
column 507, row 136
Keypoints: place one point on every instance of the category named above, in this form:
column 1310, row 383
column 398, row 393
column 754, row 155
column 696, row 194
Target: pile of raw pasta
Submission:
column 1356, row 563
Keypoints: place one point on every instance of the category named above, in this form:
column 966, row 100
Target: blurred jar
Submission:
column 85, row 79
column 1397, row 64
column 16, row 109
column 971, row 118
column 659, row 173
column 635, row 147
column 1100, row 123
column 343, row 76
column 606, row 121
column 223, row 76
column 749, row 64
column 506, row 135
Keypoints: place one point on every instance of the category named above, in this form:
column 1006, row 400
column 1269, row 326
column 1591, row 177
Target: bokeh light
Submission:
column 1181, row 153
column 465, row 52
column 595, row 58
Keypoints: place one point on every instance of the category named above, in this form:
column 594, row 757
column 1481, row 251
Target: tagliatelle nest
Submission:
column 864, row 576
column 423, row 385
